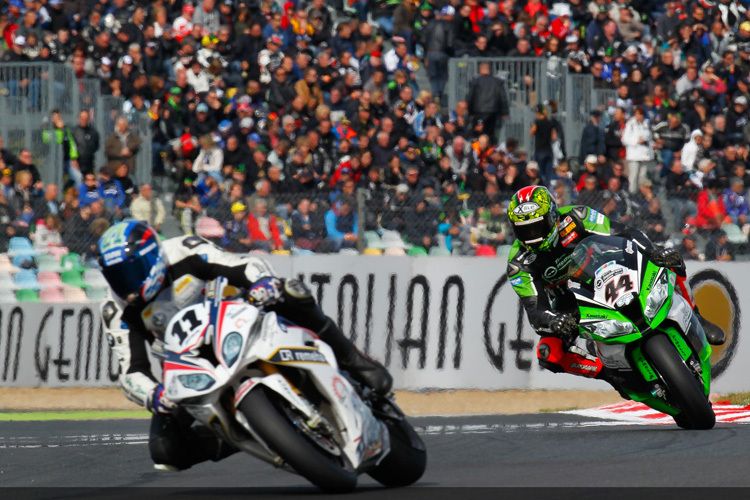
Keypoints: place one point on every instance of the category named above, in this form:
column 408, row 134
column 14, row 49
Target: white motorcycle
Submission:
column 273, row 389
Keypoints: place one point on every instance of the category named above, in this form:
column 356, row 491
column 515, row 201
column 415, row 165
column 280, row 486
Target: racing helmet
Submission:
column 534, row 217
column 132, row 260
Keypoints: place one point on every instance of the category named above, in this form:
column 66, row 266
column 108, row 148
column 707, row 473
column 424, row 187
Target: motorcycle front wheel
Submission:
column 685, row 391
column 309, row 461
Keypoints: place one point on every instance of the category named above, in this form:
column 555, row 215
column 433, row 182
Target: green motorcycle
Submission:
column 645, row 335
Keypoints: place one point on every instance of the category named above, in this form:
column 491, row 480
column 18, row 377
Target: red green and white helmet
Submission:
column 534, row 217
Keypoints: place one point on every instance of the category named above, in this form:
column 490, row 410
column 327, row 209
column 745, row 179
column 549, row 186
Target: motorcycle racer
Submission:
column 538, row 272
column 151, row 280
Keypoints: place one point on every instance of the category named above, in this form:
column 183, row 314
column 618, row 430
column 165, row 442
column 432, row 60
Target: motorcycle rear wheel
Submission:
column 296, row 450
column 684, row 389
column 405, row 463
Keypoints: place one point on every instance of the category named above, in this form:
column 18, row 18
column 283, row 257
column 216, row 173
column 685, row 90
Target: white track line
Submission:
column 31, row 442
column 75, row 440
column 607, row 416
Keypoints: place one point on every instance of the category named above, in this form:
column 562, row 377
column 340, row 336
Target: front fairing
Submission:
column 224, row 347
column 614, row 290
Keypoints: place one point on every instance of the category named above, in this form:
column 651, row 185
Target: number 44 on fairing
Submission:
column 646, row 335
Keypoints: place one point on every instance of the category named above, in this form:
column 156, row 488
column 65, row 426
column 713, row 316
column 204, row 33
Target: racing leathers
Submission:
column 191, row 262
column 540, row 280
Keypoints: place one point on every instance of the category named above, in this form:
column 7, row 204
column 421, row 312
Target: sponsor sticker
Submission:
column 181, row 286
column 112, row 257
column 147, row 249
column 569, row 238
column 600, row 219
column 629, row 247
column 625, row 300
column 526, row 208
column 565, row 230
column 611, row 274
column 587, row 368
column 592, row 215
column 603, row 267
column 298, row 356
column 516, row 281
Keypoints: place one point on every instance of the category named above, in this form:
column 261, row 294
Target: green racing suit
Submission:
column 541, row 278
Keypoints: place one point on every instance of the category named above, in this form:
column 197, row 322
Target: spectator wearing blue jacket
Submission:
column 735, row 201
column 111, row 191
column 274, row 28
column 209, row 192
column 89, row 191
column 341, row 224
column 425, row 118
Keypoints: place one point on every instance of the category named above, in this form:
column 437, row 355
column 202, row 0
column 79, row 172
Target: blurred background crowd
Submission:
column 318, row 126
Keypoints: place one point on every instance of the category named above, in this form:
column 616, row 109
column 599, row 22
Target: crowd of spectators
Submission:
column 272, row 117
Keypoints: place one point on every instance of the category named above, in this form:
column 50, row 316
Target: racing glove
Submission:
column 158, row 402
column 670, row 258
column 565, row 326
column 266, row 291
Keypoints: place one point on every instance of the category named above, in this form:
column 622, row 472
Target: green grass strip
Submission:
column 37, row 416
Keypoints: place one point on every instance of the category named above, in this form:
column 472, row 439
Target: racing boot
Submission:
column 360, row 366
column 297, row 305
column 714, row 334
column 177, row 445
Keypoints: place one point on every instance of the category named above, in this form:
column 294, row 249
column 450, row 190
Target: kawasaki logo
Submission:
column 526, row 208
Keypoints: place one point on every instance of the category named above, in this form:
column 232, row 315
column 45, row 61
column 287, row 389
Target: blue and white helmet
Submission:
column 132, row 260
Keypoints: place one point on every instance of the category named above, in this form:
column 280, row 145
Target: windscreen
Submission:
column 595, row 252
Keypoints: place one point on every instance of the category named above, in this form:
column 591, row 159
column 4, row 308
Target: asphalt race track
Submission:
column 522, row 450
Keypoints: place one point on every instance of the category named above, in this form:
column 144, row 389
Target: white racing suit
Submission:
column 191, row 262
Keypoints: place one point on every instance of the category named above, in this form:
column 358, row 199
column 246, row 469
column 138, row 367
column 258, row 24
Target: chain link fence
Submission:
column 29, row 92
column 398, row 220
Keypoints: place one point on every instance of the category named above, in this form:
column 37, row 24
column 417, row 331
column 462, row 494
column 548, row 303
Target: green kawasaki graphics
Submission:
column 645, row 335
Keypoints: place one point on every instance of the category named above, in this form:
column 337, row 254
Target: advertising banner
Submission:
column 436, row 323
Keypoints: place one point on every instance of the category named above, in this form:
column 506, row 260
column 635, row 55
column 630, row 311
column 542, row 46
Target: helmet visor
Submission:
column 533, row 232
column 126, row 278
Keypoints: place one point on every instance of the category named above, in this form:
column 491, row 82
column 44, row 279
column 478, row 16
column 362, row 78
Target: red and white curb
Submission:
column 632, row 413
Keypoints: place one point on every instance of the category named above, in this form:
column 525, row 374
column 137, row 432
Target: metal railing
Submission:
column 455, row 225
column 29, row 92
column 531, row 81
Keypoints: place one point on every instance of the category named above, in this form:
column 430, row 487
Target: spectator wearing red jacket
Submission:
column 536, row 7
column 711, row 210
column 345, row 172
column 263, row 228
column 561, row 26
